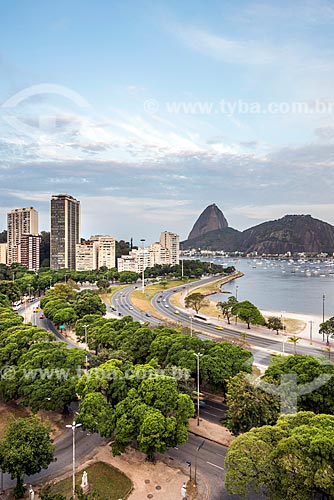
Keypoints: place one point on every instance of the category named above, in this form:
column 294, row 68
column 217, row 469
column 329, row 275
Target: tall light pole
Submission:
column 311, row 325
column 323, row 313
column 236, row 292
column 191, row 325
column 143, row 270
column 73, row 426
column 197, row 450
column 198, row 355
column 283, row 328
column 1, row 482
column 86, row 342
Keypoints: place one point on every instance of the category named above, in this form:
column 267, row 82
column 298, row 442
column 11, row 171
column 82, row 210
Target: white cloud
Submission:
column 246, row 52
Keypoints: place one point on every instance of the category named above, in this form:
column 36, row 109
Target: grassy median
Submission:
column 143, row 300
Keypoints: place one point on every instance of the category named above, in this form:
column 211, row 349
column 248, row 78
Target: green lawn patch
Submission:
column 107, row 481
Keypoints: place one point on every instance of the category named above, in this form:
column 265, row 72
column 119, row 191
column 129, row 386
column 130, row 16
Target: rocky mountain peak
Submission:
column 211, row 218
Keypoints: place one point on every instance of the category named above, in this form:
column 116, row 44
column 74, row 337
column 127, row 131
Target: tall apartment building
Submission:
column 65, row 231
column 22, row 228
column 171, row 241
column 106, row 251
column 30, row 256
column 86, row 256
column 3, row 253
column 158, row 254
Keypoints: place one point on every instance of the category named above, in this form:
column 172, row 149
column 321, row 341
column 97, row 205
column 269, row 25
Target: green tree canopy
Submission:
column 327, row 328
column 25, row 450
column 274, row 323
column 249, row 313
column 248, row 405
column 195, row 301
column 292, row 459
column 227, row 307
column 11, row 290
column 46, row 376
column 307, row 369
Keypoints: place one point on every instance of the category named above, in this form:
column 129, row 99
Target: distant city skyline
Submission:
column 165, row 108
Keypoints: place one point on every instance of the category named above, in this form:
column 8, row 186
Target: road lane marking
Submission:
column 214, row 465
column 208, row 413
column 215, row 408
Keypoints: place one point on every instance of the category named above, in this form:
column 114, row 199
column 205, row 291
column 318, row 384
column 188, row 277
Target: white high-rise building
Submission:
column 171, row 241
column 86, row 256
column 98, row 251
column 158, row 254
column 21, row 223
column 106, row 250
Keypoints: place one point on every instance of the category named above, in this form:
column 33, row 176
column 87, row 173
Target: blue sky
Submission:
column 148, row 111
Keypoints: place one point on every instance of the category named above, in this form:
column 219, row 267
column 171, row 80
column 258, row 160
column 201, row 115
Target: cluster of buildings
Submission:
column 166, row 251
column 67, row 250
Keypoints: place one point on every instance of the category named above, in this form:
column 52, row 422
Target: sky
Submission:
column 148, row 111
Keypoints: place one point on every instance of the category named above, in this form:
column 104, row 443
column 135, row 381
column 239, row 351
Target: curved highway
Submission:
column 261, row 347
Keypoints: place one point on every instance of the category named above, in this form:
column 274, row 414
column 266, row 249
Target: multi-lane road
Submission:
column 261, row 347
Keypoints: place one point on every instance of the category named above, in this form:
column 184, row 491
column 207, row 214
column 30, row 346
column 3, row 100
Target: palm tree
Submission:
column 295, row 341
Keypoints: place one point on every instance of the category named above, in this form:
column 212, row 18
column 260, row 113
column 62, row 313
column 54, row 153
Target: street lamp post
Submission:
column 189, row 465
column 323, row 313
column 311, row 325
column 283, row 329
column 198, row 355
column 73, row 426
column 236, row 292
column 197, row 450
column 143, row 270
column 25, row 309
column 86, row 342
column 191, row 325
column 1, row 482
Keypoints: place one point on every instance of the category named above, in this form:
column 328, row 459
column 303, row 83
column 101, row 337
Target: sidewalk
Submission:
column 158, row 480
column 208, row 430
column 264, row 332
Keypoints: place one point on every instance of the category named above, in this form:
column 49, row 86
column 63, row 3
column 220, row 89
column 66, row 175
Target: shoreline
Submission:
column 306, row 318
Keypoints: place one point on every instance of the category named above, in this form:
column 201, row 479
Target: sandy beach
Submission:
column 306, row 318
